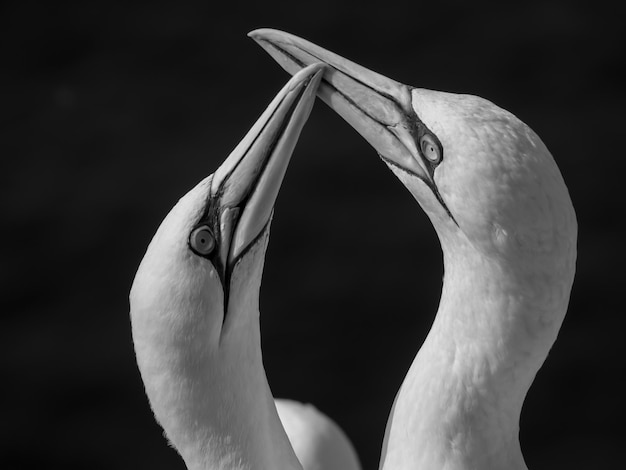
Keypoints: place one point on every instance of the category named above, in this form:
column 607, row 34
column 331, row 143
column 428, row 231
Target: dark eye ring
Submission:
column 430, row 149
column 201, row 240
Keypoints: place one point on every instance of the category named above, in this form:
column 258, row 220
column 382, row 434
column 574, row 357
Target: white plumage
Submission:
column 317, row 440
column 195, row 310
column 508, row 232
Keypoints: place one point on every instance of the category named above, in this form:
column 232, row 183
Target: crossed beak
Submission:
column 378, row 107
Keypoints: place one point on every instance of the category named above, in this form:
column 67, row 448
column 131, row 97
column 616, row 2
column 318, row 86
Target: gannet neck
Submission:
column 211, row 397
column 460, row 403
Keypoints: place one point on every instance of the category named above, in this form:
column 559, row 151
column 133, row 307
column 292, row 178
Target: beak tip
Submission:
column 308, row 76
column 316, row 70
column 262, row 34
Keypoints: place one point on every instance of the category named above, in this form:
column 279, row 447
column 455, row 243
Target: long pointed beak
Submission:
column 246, row 185
column 378, row 107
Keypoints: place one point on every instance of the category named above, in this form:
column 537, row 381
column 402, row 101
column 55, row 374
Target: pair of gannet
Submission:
column 507, row 229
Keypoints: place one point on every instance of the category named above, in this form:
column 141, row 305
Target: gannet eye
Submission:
column 202, row 241
column 430, row 149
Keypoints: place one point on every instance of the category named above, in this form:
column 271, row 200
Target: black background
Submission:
column 112, row 111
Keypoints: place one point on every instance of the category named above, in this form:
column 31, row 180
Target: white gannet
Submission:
column 195, row 318
column 319, row 443
column 508, row 231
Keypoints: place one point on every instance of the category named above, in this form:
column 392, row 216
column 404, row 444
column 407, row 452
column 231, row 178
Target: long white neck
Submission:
column 460, row 403
column 209, row 392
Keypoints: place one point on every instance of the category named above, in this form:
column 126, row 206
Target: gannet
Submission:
column 319, row 443
column 195, row 318
column 507, row 229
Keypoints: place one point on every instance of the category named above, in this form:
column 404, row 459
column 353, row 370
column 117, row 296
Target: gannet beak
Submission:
column 378, row 107
column 247, row 183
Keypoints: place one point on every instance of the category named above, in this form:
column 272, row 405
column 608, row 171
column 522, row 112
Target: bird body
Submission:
column 317, row 441
column 195, row 304
column 507, row 229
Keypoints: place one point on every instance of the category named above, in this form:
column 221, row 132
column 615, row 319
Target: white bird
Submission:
column 195, row 318
column 508, row 232
column 319, row 443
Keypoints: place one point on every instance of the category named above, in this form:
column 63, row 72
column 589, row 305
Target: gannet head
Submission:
column 481, row 174
column 210, row 247
column 194, row 300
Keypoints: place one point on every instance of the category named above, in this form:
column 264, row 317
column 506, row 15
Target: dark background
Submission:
column 110, row 112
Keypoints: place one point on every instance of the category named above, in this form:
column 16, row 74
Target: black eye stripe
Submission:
column 420, row 131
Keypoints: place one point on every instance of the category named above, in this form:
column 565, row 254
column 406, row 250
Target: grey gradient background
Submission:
column 110, row 111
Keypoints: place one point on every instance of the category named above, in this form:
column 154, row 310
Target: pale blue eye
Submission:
column 430, row 149
column 202, row 241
